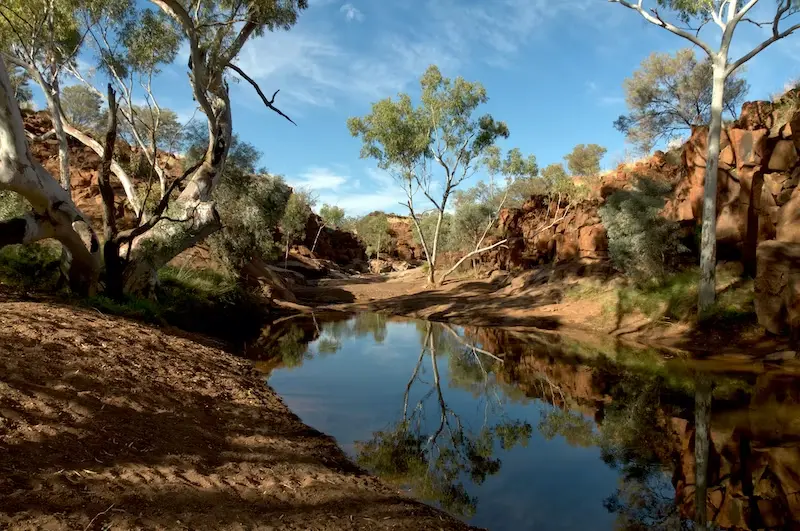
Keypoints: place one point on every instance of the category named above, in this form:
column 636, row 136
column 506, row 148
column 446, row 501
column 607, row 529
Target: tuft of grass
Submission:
column 674, row 298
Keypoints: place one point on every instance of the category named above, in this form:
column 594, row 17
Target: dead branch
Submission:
column 268, row 102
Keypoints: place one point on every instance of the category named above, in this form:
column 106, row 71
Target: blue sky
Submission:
column 553, row 70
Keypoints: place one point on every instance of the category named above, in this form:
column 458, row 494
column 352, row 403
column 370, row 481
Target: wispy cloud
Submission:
column 319, row 65
column 610, row 101
column 352, row 13
column 319, row 179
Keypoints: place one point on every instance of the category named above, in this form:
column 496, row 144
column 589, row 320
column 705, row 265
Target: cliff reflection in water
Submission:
column 455, row 414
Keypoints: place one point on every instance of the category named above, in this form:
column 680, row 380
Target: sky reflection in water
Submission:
column 560, row 435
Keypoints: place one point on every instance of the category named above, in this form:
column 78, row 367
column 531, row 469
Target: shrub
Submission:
column 12, row 205
column 641, row 243
column 250, row 207
column 33, row 266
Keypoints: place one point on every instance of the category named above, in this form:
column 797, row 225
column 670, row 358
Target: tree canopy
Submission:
column 585, row 159
column 669, row 94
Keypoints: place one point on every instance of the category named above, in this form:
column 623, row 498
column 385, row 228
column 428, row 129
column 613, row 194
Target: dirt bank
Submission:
column 535, row 299
column 110, row 424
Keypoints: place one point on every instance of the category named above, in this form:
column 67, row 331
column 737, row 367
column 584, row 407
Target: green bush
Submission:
column 641, row 243
column 250, row 207
column 33, row 266
column 12, row 205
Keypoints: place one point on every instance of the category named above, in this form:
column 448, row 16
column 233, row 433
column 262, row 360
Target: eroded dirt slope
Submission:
column 109, row 424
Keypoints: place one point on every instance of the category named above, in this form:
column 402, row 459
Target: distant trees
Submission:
column 373, row 229
column 295, row 217
column 585, row 159
column 690, row 16
column 331, row 216
column 81, row 106
column 432, row 147
column 669, row 94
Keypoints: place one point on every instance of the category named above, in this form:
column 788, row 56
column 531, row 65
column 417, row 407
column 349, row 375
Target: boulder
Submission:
column 777, row 286
column 400, row 266
column 784, row 156
column 377, row 265
column 592, row 241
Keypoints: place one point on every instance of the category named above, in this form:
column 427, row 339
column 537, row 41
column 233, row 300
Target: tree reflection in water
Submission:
column 433, row 459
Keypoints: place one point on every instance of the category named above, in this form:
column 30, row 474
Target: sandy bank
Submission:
column 109, row 424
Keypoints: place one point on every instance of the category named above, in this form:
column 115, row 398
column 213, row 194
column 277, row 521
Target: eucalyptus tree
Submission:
column 441, row 132
column 690, row 17
column 215, row 33
column 42, row 37
column 52, row 214
column 670, row 93
column 515, row 168
column 331, row 216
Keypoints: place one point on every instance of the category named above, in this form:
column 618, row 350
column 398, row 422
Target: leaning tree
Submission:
column 215, row 33
column 690, row 17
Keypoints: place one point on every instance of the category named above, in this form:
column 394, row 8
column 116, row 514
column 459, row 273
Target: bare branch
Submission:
column 268, row 102
column 470, row 255
column 654, row 18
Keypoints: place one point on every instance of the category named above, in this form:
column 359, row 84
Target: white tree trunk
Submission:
column 193, row 216
column 53, row 214
column 435, row 247
column 708, row 237
column 319, row 230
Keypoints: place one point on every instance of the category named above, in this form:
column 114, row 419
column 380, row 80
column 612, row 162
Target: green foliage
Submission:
column 12, row 205
column 448, row 241
column 554, row 174
column 250, row 206
column 81, row 106
column 20, row 84
column 585, row 159
column 147, row 122
column 20, row 16
column 641, row 242
column 331, row 215
column 373, row 231
column 669, row 94
column 443, row 131
column 295, row 216
column 31, row 267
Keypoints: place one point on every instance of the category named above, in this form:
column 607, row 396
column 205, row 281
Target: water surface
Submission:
column 513, row 431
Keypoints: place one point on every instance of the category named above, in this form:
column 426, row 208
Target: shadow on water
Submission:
column 512, row 430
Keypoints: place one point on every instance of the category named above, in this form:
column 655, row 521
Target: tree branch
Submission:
column 470, row 255
column 268, row 102
column 654, row 18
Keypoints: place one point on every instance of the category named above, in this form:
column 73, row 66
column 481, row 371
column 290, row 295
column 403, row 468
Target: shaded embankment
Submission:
column 110, row 424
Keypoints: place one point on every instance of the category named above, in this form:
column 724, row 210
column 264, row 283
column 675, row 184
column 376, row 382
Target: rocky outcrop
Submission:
column 756, row 202
column 339, row 246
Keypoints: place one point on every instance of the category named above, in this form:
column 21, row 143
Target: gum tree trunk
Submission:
column 53, row 213
column 708, row 237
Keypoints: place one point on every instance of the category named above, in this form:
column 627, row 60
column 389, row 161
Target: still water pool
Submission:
column 513, row 431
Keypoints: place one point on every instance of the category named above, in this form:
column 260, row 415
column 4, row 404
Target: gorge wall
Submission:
column 756, row 202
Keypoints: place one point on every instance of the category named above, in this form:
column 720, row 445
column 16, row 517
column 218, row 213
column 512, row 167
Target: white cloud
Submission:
column 360, row 204
column 318, row 179
column 611, row 100
column 351, row 13
column 591, row 86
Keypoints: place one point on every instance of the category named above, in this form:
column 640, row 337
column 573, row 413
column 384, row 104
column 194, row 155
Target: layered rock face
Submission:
column 758, row 174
